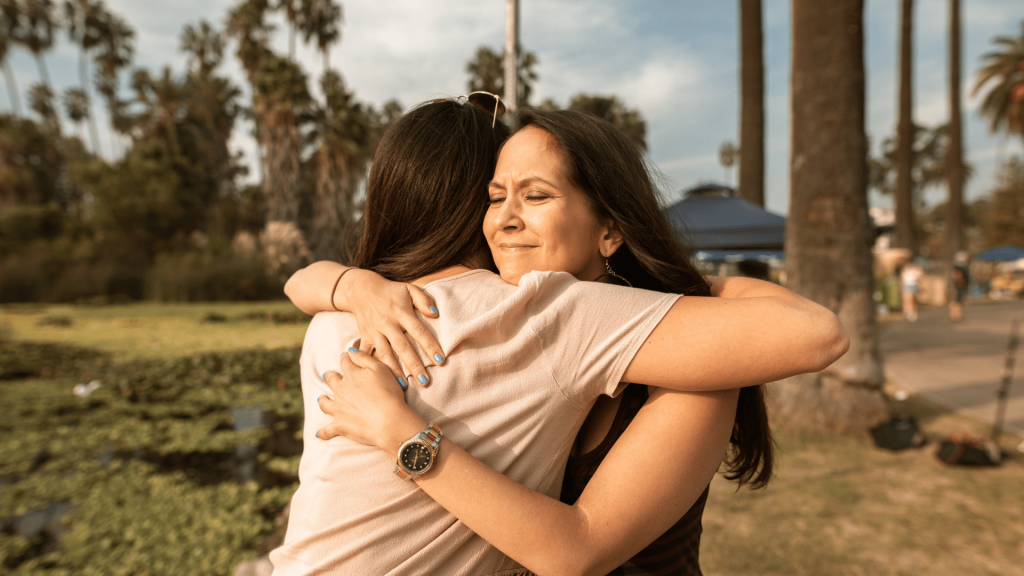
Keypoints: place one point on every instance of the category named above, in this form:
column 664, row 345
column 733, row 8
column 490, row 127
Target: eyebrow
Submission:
column 521, row 183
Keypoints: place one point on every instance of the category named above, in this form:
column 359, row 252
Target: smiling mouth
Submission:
column 515, row 247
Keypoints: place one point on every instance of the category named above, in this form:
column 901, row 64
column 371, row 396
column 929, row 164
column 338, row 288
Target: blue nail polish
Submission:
column 422, row 379
column 317, row 434
column 403, row 383
column 438, row 358
column 353, row 350
column 325, row 375
column 433, row 309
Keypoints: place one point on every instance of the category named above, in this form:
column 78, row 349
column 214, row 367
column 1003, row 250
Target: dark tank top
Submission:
column 676, row 551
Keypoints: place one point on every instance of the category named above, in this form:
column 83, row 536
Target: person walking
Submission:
column 910, row 277
column 960, row 277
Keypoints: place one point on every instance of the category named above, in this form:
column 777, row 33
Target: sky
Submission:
column 675, row 60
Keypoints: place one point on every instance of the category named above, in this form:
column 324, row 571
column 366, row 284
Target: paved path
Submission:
column 958, row 365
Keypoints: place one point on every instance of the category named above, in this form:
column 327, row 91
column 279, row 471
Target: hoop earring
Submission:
column 610, row 272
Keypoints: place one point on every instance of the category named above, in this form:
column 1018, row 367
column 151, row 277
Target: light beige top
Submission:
column 525, row 364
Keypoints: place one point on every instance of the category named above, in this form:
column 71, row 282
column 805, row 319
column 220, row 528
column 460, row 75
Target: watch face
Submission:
column 416, row 458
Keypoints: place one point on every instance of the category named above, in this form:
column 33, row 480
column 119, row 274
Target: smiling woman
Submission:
column 537, row 219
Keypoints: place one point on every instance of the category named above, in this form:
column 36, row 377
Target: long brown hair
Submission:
column 427, row 191
column 609, row 168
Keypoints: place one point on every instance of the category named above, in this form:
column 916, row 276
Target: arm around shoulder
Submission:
column 753, row 332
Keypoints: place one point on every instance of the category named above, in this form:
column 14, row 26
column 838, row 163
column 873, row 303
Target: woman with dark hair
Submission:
column 569, row 195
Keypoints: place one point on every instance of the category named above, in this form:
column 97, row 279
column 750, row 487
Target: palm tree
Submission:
column 84, row 21
column 346, row 139
column 612, row 109
column 293, row 14
column 829, row 232
column 904, row 230
column 76, row 105
column 10, row 18
column 113, row 54
column 487, row 72
column 929, row 151
column 37, row 33
column 41, row 100
column 955, row 156
column 204, row 46
column 1003, row 73
column 321, row 20
column 751, row 183
column 162, row 101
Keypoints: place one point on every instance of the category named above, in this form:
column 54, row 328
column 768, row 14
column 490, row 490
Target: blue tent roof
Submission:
column 1001, row 254
column 711, row 217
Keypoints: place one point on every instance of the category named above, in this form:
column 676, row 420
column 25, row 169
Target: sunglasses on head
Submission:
column 485, row 101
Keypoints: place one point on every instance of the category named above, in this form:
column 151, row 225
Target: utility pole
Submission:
column 954, row 154
column 511, row 54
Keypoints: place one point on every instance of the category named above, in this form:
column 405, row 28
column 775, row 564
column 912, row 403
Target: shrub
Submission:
column 190, row 277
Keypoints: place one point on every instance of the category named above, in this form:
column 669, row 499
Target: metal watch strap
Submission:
column 431, row 434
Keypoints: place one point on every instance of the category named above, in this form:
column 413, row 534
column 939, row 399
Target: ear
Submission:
column 610, row 239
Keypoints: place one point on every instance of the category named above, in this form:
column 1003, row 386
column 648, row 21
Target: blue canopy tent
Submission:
column 724, row 228
column 1001, row 254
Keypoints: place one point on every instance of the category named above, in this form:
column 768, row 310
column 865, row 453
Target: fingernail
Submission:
column 433, row 309
column 403, row 383
column 353, row 350
column 325, row 375
column 318, row 399
column 438, row 358
column 422, row 379
column 317, row 434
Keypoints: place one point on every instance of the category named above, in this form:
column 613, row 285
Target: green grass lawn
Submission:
column 150, row 330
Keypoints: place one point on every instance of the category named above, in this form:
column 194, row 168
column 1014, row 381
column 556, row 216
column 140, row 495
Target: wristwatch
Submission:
column 416, row 455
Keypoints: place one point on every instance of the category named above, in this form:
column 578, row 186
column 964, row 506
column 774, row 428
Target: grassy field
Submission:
column 837, row 505
column 148, row 330
column 842, row 506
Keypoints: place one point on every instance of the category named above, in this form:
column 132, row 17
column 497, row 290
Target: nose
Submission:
column 507, row 217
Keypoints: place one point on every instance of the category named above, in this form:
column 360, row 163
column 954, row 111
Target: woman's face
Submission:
column 537, row 220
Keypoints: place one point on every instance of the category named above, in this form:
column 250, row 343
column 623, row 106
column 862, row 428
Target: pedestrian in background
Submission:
column 959, row 279
column 910, row 277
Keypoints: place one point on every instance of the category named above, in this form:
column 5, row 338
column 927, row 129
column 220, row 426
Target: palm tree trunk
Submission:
column 904, row 232
column 83, row 79
column 829, row 232
column 44, row 74
column 954, row 166
column 751, row 184
column 511, row 54
column 12, row 89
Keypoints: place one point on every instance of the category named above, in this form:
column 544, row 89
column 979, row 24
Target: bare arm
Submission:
column 650, row 478
column 751, row 333
column 385, row 311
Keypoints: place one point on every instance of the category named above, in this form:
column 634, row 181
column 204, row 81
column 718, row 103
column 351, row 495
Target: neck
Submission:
column 440, row 274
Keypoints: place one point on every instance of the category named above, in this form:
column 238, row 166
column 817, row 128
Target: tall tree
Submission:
column 112, row 55
column 76, row 105
column 321, row 21
column 511, row 94
column 204, row 47
column 37, row 33
column 612, row 109
column 904, row 236
column 929, row 152
column 346, row 136
column 487, row 72
column 751, row 183
column 1003, row 74
column 84, row 20
column 829, row 232
column 955, row 157
column 10, row 18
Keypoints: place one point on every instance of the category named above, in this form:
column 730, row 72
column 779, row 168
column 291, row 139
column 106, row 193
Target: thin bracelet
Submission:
column 336, row 282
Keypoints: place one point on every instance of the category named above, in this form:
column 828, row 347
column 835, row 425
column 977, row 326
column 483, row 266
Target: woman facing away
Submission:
column 530, row 359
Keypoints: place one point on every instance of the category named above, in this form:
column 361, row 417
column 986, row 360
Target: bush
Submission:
column 190, row 277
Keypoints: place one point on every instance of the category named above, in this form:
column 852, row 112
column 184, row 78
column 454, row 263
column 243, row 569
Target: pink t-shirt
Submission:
column 525, row 364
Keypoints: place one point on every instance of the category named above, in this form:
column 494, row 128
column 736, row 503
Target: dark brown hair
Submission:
column 609, row 168
column 427, row 191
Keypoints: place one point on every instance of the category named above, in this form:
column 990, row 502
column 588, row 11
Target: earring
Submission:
column 610, row 272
